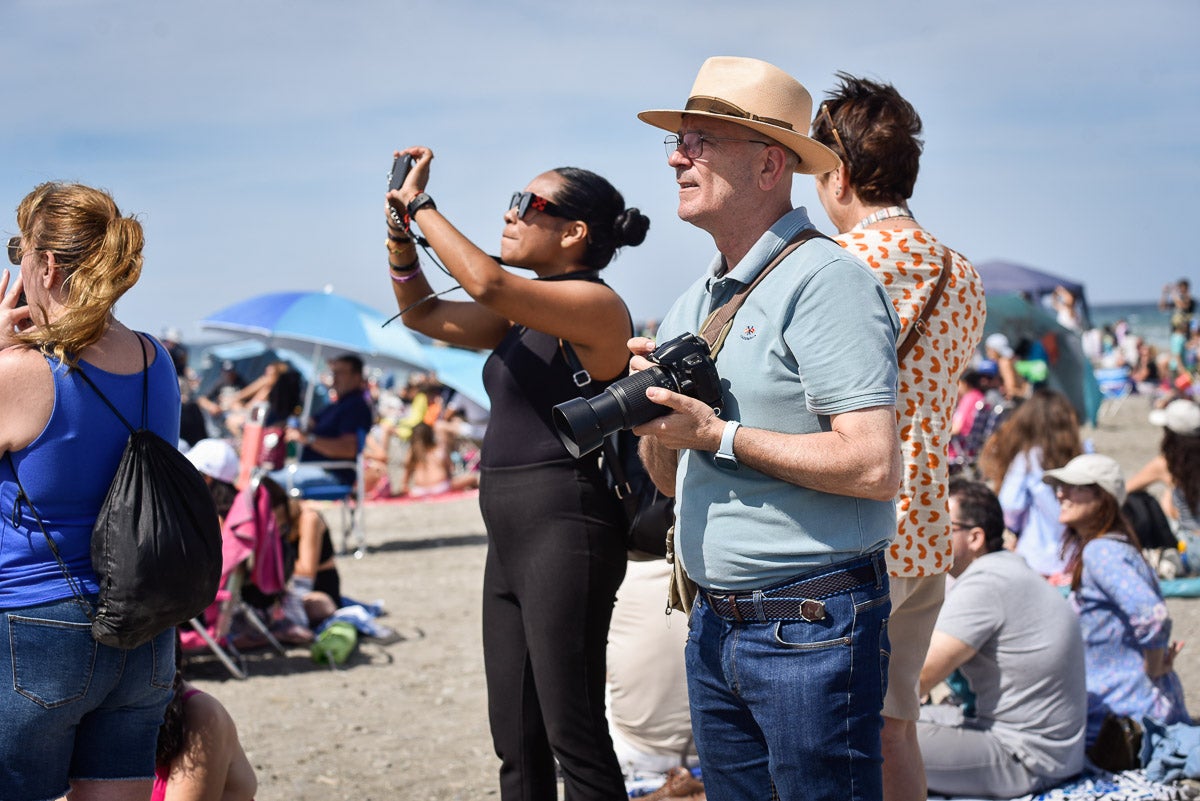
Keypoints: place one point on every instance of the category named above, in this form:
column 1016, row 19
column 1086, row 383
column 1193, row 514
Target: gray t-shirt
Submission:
column 1028, row 672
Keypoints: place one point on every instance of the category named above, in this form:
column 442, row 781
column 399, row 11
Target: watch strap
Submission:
column 419, row 202
column 725, row 451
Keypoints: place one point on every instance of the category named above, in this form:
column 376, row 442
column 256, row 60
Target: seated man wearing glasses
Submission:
column 1018, row 644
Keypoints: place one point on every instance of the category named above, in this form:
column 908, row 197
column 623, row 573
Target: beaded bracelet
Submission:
column 408, row 276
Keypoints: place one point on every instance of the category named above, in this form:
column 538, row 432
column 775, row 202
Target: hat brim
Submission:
column 1080, row 478
column 1158, row 417
column 815, row 158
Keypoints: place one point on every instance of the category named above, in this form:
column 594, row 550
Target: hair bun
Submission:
column 630, row 227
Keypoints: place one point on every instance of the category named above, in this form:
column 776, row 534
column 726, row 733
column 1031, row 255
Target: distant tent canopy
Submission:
column 1000, row 277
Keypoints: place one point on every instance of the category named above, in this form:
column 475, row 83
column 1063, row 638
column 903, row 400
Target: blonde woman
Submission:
column 91, row 710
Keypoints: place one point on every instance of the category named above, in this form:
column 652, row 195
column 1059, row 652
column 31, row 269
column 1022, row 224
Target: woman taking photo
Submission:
column 1126, row 627
column 74, row 714
column 556, row 551
column 1041, row 434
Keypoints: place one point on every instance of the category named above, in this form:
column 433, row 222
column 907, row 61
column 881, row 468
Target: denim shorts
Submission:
column 71, row 708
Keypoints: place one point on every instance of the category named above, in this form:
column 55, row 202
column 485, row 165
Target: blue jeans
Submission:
column 71, row 708
column 792, row 702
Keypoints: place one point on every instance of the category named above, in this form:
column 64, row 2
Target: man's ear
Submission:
column 775, row 167
column 977, row 541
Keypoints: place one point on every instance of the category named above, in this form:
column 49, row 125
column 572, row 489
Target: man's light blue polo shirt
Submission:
column 817, row 337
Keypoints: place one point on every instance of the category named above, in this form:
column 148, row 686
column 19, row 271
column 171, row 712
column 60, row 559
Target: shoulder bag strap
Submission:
column 920, row 327
column 145, row 390
column 717, row 326
column 16, row 513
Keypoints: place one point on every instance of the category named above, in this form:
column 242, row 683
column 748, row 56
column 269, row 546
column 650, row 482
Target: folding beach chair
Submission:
column 350, row 495
column 250, row 550
column 968, row 446
column 1116, row 384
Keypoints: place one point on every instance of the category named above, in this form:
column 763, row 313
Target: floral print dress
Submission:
column 1122, row 614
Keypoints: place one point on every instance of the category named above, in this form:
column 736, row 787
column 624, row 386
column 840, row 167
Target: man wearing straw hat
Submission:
column 784, row 502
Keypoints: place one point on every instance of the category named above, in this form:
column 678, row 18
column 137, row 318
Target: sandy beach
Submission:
column 408, row 720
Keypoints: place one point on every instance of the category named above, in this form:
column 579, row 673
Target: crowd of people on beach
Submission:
column 905, row 572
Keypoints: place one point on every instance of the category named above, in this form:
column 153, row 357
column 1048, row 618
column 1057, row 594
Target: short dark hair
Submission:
column 589, row 197
column 351, row 360
column 978, row 506
column 879, row 133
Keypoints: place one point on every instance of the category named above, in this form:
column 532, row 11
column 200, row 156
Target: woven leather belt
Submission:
column 800, row 600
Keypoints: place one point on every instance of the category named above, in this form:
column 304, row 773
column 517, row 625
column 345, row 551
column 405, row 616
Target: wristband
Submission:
column 419, row 202
column 400, row 240
column 408, row 276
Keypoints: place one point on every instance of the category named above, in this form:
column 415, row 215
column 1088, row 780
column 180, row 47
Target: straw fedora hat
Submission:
column 759, row 96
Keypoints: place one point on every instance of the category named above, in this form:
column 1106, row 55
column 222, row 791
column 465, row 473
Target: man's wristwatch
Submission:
column 419, row 202
column 725, row 457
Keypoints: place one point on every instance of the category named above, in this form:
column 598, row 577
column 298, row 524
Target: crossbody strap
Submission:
column 717, row 326
column 921, row 326
column 16, row 513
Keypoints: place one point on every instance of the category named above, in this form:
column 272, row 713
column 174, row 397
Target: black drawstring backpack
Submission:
column 156, row 543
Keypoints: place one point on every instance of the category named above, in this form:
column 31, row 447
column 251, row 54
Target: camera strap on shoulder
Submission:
column 718, row 324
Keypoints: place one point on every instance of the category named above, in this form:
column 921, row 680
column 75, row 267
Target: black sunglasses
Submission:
column 14, row 250
column 524, row 201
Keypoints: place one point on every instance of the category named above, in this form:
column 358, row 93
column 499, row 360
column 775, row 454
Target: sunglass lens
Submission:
column 14, row 250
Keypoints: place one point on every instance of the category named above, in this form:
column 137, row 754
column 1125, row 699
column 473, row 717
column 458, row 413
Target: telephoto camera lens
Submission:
column 682, row 365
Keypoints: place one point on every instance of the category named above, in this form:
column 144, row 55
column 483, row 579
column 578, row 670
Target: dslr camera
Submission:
column 682, row 365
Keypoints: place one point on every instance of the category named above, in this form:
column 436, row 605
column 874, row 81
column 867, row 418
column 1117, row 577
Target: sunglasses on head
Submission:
column 524, row 201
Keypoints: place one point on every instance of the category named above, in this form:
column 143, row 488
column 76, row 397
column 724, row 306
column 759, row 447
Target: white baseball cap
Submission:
column 1091, row 468
column 1000, row 344
column 215, row 458
column 1181, row 416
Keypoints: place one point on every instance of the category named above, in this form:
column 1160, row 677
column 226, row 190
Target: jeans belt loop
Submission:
column 759, row 611
column 733, row 605
column 880, row 565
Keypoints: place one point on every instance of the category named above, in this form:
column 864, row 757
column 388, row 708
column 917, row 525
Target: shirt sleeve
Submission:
column 970, row 612
column 1112, row 568
column 1015, row 496
column 843, row 332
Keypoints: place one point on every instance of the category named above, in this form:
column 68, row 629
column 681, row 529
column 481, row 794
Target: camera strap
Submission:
column 717, row 326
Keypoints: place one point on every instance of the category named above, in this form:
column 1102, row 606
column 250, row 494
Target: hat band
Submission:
column 714, row 105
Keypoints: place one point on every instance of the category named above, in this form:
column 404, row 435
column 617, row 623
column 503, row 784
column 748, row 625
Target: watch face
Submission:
column 726, row 461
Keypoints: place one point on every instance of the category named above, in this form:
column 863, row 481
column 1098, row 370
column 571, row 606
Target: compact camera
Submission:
column 682, row 365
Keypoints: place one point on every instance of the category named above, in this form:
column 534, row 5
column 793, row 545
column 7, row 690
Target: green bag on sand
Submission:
column 335, row 644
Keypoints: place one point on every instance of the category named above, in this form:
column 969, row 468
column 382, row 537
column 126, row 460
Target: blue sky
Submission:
column 253, row 138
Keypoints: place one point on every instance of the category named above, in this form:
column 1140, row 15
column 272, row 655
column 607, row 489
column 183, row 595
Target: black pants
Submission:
column 555, row 560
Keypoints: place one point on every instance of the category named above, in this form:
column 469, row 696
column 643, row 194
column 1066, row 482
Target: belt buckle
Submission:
column 811, row 611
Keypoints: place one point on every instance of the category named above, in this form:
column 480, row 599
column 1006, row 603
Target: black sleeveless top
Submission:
column 526, row 376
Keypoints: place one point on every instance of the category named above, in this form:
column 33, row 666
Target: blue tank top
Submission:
column 67, row 470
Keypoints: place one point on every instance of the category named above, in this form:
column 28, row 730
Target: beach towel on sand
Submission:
column 1131, row 785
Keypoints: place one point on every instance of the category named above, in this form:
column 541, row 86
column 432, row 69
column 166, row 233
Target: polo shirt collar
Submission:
column 768, row 246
